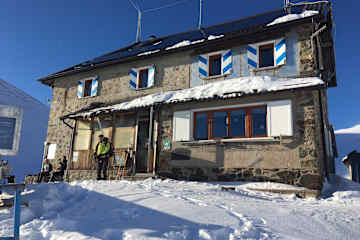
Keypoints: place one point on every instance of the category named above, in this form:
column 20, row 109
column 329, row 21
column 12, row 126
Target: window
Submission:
column 87, row 88
column 105, row 128
column 124, row 131
column 258, row 122
column 7, row 132
column 230, row 123
column 201, row 126
column 143, row 78
column 82, row 135
column 215, row 65
column 266, row 55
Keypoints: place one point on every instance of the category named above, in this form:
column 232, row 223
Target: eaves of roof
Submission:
column 244, row 34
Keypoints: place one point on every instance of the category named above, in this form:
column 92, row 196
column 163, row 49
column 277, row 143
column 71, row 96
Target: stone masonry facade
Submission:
column 296, row 160
column 301, row 156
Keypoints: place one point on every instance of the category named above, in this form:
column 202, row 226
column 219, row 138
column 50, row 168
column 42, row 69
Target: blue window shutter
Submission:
column 226, row 64
column 280, row 51
column 80, row 89
column 253, row 56
column 203, row 65
column 95, row 86
column 151, row 76
column 133, row 78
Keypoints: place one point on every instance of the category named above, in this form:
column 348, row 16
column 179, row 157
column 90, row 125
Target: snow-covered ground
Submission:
column 169, row 209
column 347, row 140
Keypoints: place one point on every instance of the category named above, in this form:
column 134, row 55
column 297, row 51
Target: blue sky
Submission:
column 40, row 37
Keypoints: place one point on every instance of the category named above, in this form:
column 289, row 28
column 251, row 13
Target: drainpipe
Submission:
column 151, row 126
column 323, row 135
column 156, row 145
column 320, row 63
column 71, row 144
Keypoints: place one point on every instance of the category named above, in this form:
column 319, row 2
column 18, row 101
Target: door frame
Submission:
column 138, row 121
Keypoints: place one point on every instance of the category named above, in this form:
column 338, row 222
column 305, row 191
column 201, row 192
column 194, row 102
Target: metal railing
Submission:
column 17, row 188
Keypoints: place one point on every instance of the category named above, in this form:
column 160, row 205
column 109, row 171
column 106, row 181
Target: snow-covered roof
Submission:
column 207, row 35
column 292, row 17
column 221, row 89
column 353, row 130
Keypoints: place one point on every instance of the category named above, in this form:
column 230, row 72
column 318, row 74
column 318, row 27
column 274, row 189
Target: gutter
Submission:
column 323, row 135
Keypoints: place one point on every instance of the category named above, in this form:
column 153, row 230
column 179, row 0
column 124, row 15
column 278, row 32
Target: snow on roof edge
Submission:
column 292, row 17
column 223, row 89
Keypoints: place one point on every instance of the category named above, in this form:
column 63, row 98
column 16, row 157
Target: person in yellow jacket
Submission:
column 102, row 154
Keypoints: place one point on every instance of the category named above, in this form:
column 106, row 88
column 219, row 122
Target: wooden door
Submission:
column 142, row 146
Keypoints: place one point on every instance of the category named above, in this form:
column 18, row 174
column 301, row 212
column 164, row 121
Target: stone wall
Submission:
column 295, row 160
column 298, row 157
column 172, row 73
column 306, row 57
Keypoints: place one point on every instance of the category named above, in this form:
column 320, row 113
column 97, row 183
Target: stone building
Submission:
column 352, row 162
column 242, row 100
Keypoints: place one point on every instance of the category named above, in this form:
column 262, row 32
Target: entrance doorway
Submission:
column 142, row 147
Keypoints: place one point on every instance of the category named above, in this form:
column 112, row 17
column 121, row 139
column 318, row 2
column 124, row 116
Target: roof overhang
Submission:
column 244, row 36
column 221, row 90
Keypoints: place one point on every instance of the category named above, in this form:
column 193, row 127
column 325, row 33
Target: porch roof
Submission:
column 219, row 90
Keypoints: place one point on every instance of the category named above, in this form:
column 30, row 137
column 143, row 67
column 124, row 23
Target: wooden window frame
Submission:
column 248, row 122
column 87, row 87
column 140, row 78
column 266, row 46
column 211, row 58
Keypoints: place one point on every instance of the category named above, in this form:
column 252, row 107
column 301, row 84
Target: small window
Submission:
column 231, row 123
column 215, row 65
column 143, row 78
column 87, row 88
column 7, row 132
column 266, row 55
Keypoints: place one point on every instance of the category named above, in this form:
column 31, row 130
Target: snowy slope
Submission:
column 155, row 209
column 347, row 140
column 33, row 132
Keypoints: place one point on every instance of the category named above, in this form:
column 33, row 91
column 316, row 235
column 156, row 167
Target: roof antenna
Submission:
column 138, row 30
column 200, row 14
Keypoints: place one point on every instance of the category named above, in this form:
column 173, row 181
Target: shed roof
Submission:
column 353, row 156
column 231, row 88
column 198, row 37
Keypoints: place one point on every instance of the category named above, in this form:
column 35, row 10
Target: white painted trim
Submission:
column 138, row 75
column 17, row 113
column 83, row 80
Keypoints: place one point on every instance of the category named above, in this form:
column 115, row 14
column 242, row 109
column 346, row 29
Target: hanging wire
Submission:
column 165, row 6
column 135, row 6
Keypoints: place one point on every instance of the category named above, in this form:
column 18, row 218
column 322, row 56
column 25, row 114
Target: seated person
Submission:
column 60, row 172
column 46, row 170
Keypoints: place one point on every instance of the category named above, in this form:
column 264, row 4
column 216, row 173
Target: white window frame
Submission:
column 213, row 54
column 138, row 77
column 17, row 113
column 83, row 91
column 258, row 49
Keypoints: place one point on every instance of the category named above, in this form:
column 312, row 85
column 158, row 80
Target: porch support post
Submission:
column 151, row 126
